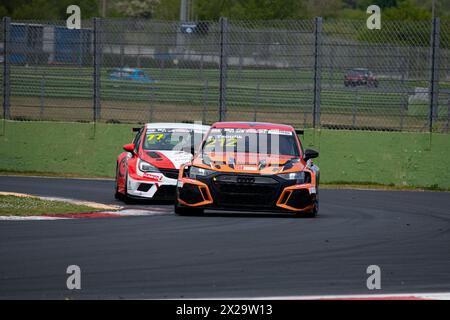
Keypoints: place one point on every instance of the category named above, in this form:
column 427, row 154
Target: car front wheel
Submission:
column 311, row 214
column 117, row 194
column 184, row 211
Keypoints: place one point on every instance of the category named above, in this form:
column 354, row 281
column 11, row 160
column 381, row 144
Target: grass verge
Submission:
column 33, row 206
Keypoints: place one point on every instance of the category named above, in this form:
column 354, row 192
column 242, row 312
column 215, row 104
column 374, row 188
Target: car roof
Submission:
column 126, row 69
column 254, row 125
column 176, row 125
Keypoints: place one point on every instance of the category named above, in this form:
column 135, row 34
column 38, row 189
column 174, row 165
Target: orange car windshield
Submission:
column 259, row 141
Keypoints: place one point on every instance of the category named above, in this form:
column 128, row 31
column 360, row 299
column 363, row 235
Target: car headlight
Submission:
column 196, row 171
column 147, row 167
column 300, row 176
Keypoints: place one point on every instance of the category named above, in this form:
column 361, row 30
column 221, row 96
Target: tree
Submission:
column 167, row 10
column 383, row 4
column 406, row 10
column 47, row 9
column 324, row 8
column 137, row 8
column 250, row 9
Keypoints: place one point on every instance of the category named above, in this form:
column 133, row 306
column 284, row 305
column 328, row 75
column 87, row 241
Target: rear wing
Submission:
column 136, row 129
column 300, row 132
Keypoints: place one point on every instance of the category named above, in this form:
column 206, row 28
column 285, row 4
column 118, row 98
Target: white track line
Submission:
column 431, row 296
column 138, row 212
column 92, row 204
column 29, row 218
column 121, row 213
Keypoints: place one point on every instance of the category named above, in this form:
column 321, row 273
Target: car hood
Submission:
column 166, row 159
column 249, row 163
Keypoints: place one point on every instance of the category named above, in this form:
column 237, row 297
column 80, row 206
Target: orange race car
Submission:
column 249, row 166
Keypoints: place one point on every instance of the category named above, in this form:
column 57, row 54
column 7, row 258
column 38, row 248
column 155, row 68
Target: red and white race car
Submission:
column 149, row 166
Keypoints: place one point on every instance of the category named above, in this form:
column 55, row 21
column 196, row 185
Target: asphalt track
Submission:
column 407, row 234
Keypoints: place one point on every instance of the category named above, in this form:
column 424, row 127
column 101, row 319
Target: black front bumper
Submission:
column 246, row 192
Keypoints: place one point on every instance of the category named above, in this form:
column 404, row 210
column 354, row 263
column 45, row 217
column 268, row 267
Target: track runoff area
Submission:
column 363, row 245
column 385, row 245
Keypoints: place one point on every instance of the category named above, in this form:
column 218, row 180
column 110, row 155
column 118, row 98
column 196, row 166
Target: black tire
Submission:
column 185, row 211
column 313, row 213
column 125, row 198
column 117, row 194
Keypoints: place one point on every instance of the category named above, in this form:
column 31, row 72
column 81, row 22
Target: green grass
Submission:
column 387, row 158
column 31, row 206
column 59, row 147
column 65, row 93
column 269, row 89
column 395, row 159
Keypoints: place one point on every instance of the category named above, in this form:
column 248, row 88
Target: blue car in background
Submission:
column 130, row 74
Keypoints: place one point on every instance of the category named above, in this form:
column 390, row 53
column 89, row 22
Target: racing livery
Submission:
column 149, row 166
column 250, row 166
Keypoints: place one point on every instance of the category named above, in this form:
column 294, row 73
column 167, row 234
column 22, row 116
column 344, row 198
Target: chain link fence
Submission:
column 308, row 73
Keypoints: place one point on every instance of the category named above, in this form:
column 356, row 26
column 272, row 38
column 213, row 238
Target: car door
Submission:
column 123, row 164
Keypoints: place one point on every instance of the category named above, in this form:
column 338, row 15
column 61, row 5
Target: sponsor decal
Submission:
column 177, row 157
column 153, row 176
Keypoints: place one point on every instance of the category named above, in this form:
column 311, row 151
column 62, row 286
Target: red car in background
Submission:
column 360, row 77
column 148, row 167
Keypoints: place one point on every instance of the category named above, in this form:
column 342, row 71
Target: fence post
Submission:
column 41, row 98
column 255, row 110
column 6, row 68
column 434, row 73
column 205, row 101
column 317, row 70
column 447, row 126
column 97, row 57
column 223, row 68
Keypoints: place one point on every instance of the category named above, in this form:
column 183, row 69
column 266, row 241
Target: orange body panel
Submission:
column 248, row 163
column 204, row 190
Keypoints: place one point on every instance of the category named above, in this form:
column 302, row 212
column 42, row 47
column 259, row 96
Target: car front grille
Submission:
column 165, row 192
column 170, row 173
column 245, row 190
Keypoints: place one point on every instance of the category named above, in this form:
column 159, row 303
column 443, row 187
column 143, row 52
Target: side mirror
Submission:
column 129, row 147
column 310, row 154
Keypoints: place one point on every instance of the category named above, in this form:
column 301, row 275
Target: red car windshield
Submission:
column 260, row 141
column 171, row 139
